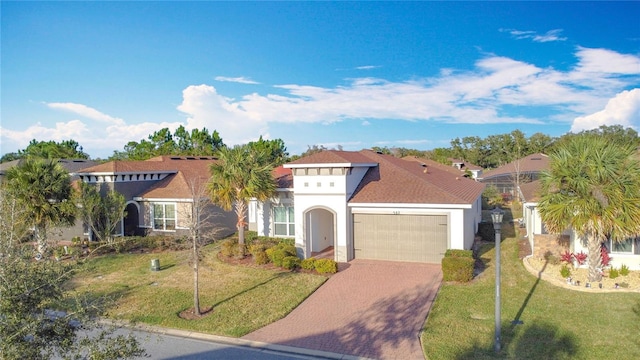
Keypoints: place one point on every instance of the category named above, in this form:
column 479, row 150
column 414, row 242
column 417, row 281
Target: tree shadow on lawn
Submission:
column 536, row 341
column 244, row 291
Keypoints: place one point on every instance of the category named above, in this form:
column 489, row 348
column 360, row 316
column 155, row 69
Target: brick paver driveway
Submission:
column 372, row 309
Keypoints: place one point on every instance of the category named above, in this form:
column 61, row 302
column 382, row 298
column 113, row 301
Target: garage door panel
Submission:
column 420, row 238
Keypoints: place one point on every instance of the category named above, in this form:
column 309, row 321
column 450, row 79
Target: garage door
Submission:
column 418, row 238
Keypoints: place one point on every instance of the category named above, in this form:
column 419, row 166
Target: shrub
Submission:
column 258, row 251
column 277, row 253
column 457, row 269
column 291, row 262
column 486, row 231
column 231, row 248
column 326, row 266
column 580, row 257
column 565, row 271
column 458, row 253
column 566, row 257
column 624, row 270
column 604, row 254
column 308, row 264
column 613, row 273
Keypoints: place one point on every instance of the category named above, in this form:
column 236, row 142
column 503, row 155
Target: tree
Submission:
column 592, row 187
column 31, row 291
column 276, row 151
column 43, row 189
column 66, row 149
column 242, row 173
column 181, row 142
column 101, row 213
column 198, row 217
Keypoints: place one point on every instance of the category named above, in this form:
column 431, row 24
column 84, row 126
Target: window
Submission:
column 626, row 246
column 164, row 216
column 284, row 222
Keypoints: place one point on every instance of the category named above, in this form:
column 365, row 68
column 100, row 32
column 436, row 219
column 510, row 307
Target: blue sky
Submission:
column 355, row 74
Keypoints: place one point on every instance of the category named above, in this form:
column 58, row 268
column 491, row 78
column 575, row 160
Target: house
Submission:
column 523, row 170
column 159, row 193
column 367, row 205
column 475, row 170
column 541, row 241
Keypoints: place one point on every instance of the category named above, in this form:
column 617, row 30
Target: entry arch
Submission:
column 320, row 229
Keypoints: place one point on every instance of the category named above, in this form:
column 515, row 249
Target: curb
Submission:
column 236, row 341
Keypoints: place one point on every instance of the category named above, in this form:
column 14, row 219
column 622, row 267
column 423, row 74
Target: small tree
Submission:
column 101, row 213
column 198, row 217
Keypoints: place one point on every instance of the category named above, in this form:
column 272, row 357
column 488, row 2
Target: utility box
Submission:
column 155, row 264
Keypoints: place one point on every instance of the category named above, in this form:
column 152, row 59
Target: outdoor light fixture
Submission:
column 496, row 217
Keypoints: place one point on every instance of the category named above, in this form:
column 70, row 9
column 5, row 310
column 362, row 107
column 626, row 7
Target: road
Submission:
column 172, row 347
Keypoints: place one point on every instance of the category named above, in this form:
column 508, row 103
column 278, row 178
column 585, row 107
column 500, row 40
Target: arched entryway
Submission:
column 131, row 220
column 320, row 231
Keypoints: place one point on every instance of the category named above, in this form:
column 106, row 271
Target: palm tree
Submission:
column 242, row 173
column 592, row 187
column 43, row 189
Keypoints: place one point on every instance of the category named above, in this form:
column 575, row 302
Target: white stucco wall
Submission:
column 617, row 259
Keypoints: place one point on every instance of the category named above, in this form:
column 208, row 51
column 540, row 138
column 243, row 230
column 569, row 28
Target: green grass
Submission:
column 557, row 323
column 243, row 298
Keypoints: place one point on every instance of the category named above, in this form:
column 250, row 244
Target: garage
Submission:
column 417, row 238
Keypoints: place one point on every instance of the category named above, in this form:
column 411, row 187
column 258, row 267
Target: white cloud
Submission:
column 368, row 67
column 551, row 35
column 206, row 108
column 604, row 61
column 85, row 111
column 623, row 109
column 241, row 80
column 366, row 123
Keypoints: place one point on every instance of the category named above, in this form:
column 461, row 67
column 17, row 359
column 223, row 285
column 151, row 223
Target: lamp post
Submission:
column 496, row 218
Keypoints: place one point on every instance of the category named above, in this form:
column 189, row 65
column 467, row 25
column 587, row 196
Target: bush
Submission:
column 457, row 269
column 565, row 271
column 291, row 262
column 486, row 231
column 231, row 248
column 258, row 251
column 624, row 270
column 308, row 264
column 458, row 253
column 326, row 266
column 613, row 273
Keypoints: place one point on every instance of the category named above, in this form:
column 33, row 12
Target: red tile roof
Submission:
column 333, row 157
column 284, row 177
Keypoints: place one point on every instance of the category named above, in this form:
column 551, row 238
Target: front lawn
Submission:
column 556, row 323
column 243, row 298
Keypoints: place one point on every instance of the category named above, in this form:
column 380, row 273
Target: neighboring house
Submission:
column 522, row 170
column 626, row 252
column 159, row 193
column 371, row 206
column 475, row 170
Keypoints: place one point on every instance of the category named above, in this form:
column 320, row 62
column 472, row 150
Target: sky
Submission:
column 350, row 74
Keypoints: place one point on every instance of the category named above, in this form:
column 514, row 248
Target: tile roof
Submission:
column 532, row 163
column 185, row 170
column 396, row 180
column 428, row 162
column 333, row 157
column 284, row 177
column 531, row 191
